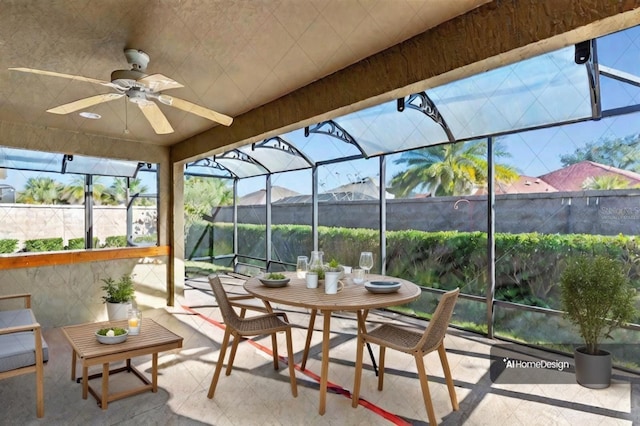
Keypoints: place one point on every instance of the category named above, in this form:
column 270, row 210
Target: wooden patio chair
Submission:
column 242, row 327
column 416, row 344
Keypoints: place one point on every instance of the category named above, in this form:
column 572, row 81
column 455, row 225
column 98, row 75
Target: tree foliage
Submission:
column 41, row 191
column 204, row 196
column 73, row 193
column 450, row 169
column 605, row 182
column 597, row 297
column 623, row 153
column 118, row 191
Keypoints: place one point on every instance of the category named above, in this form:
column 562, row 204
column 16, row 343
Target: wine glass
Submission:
column 366, row 261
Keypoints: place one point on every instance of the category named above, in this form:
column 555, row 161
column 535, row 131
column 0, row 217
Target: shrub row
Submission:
column 57, row 244
column 8, row 246
column 527, row 266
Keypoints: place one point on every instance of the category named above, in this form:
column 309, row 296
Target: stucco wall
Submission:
column 593, row 212
column 28, row 221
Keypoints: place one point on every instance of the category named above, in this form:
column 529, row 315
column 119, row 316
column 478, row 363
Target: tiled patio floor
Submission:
column 256, row 394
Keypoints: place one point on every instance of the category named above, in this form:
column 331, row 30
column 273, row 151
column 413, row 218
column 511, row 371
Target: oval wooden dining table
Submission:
column 353, row 297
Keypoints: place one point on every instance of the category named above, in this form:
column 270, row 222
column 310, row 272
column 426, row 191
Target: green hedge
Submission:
column 44, row 244
column 115, row 241
column 527, row 266
column 78, row 243
column 8, row 246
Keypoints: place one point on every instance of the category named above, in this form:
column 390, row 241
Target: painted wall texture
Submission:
column 71, row 294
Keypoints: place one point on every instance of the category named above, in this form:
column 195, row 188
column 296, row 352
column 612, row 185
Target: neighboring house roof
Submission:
column 260, row 197
column 326, row 196
column 523, row 185
column 572, row 177
column 364, row 187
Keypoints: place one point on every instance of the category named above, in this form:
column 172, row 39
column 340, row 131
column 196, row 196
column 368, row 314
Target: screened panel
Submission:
column 252, row 218
column 291, row 213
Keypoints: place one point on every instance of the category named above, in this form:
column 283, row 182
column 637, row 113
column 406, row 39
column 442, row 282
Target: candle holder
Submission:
column 135, row 322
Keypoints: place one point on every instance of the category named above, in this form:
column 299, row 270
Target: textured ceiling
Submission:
column 232, row 56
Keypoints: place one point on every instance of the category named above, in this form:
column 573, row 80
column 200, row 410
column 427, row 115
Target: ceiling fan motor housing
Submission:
column 137, row 59
column 127, row 79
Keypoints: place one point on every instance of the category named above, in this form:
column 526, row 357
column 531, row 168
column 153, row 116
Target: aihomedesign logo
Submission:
column 540, row 364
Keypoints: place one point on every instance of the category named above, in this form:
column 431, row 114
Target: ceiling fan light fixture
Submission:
column 90, row 115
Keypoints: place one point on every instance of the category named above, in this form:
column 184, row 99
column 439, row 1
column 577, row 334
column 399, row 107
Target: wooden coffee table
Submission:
column 153, row 338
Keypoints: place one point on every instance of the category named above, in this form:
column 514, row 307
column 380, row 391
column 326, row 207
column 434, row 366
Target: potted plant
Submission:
column 596, row 297
column 119, row 296
column 332, row 274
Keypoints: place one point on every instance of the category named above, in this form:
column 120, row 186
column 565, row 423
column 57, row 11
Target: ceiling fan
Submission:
column 140, row 88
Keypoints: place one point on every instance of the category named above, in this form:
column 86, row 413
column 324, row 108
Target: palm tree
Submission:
column 447, row 170
column 40, row 191
column 605, row 182
column 119, row 187
column 204, row 196
column 73, row 193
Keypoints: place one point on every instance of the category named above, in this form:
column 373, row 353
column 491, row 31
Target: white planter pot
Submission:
column 118, row 311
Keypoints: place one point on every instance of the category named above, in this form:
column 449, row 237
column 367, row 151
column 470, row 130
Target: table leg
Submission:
column 105, row 386
column 154, row 373
column 85, row 381
column 73, row 364
column 305, row 354
column 324, row 372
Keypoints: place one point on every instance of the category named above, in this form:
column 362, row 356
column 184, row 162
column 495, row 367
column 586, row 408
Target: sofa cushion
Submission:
column 18, row 349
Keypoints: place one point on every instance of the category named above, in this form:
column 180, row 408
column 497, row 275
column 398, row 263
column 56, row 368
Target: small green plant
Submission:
column 319, row 271
column 597, row 297
column 334, row 266
column 116, row 331
column 275, row 276
column 120, row 291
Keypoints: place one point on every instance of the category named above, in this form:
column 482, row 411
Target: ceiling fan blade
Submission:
column 159, row 82
column 156, row 118
column 85, row 103
column 196, row 109
column 69, row 76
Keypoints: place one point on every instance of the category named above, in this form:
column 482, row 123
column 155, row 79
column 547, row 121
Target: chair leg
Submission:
column 355, row 393
column 424, row 384
column 447, row 375
column 39, row 375
column 291, row 362
column 305, row 354
column 274, row 350
column 232, row 354
column 381, row 367
column 216, row 375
